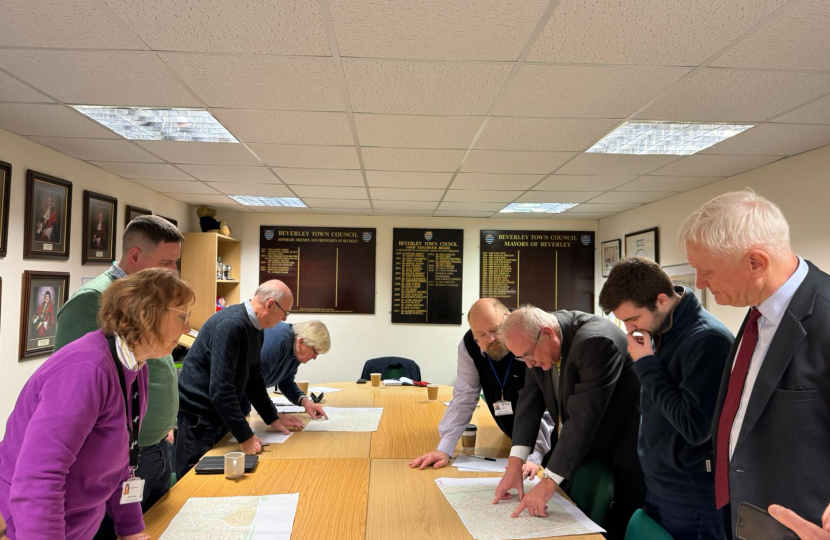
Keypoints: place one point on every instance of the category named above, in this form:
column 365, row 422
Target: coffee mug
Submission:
column 375, row 379
column 234, row 464
column 432, row 392
column 303, row 386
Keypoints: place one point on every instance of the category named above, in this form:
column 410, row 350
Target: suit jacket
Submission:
column 598, row 390
column 783, row 451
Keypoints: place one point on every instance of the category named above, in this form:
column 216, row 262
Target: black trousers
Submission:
column 195, row 437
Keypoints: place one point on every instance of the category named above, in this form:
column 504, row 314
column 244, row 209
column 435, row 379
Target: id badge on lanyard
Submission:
column 132, row 489
column 502, row 407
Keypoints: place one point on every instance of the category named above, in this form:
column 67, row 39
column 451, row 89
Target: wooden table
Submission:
column 354, row 485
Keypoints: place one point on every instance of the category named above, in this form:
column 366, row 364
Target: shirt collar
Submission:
column 126, row 356
column 773, row 308
column 116, row 271
column 251, row 315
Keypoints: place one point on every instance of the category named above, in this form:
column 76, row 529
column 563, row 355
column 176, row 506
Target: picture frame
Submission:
column 43, row 294
column 133, row 212
column 47, row 228
column 171, row 220
column 610, row 254
column 5, row 193
column 684, row 275
column 99, row 239
column 645, row 243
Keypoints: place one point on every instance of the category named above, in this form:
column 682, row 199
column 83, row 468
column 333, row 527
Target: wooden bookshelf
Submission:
column 199, row 252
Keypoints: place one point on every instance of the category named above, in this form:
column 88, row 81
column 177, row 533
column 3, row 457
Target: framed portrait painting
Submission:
column 48, row 217
column 133, row 212
column 100, row 212
column 5, row 190
column 643, row 243
column 610, row 255
column 44, row 293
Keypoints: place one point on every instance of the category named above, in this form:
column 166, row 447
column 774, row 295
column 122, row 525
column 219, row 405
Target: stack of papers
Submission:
column 480, row 464
column 398, row 382
column 269, row 437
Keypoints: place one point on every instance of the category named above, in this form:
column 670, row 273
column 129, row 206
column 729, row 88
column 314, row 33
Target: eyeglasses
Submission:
column 185, row 313
column 287, row 313
column 314, row 351
column 530, row 354
column 484, row 337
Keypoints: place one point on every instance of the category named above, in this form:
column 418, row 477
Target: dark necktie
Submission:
column 730, row 407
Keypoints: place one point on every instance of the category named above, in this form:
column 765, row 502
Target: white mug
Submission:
column 234, row 464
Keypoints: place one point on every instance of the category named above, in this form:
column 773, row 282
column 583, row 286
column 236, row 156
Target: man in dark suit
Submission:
column 770, row 431
column 580, row 372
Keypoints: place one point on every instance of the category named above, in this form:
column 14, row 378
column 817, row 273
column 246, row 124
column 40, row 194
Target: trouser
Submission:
column 629, row 482
column 194, row 438
column 685, row 521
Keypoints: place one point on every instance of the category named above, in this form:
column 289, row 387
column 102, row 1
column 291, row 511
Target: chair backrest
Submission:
column 593, row 490
column 408, row 368
column 642, row 527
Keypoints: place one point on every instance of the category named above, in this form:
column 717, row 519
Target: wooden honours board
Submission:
column 426, row 275
column 329, row 269
column 549, row 269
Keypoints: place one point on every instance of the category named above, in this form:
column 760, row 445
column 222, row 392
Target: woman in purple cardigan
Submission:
column 66, row 454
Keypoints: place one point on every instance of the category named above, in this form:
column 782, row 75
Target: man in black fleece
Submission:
column 223, row 366
column 679, row 360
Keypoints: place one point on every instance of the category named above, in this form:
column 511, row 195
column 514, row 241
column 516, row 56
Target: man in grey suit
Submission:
column 581, row 373
column 771, row 429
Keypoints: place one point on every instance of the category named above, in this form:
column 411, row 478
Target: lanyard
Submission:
column 506, row 375
column 132, row 423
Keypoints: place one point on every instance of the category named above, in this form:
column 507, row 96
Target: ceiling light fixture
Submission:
column 148, row 124
column 536, row 208
column 292, row 202
column 666, row 138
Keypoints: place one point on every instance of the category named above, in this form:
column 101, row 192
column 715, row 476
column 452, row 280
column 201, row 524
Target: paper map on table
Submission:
column 472, row 499
column 326, row 389
column 269, row 437
column 347, row 419
column 268, row 517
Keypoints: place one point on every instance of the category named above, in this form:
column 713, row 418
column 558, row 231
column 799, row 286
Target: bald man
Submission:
column 223, row 366
column 485, row 364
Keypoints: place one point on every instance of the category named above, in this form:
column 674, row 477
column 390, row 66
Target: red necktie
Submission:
column 731, row 405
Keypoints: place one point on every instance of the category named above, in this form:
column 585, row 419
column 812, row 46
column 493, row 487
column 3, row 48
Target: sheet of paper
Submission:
column 326, row 389
column 280, row 400
column 478, row 464
column 347, row 419
column 472, row 499
column 270, row 517
column 290, row 409
column 269, row 437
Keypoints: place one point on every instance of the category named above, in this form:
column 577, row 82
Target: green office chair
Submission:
column 642, row 527
column 593, row 490
column 394, row 371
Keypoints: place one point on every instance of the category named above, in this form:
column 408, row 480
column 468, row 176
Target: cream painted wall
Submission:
column 23, row 155
column 799, row 185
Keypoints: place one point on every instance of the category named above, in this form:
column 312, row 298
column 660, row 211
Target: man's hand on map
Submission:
column 286, row 422
column 512, row 479
column 536, row 500
column 437, row 459
column 314, row 411
column 529, row 469
column 251, row 446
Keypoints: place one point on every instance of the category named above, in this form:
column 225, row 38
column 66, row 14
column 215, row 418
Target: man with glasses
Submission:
column 148, row 242
column 579, row 371
column 222, row 370
column 485, row 366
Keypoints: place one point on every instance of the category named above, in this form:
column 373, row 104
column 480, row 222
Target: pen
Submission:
column 485, row 458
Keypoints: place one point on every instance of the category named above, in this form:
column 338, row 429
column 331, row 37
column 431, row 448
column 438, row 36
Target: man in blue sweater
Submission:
column 679, row 351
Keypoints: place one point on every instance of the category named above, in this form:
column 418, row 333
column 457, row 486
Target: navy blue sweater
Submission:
column 679, row 388
column 279, row 363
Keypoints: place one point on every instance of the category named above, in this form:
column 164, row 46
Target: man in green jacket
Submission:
column 149, row 241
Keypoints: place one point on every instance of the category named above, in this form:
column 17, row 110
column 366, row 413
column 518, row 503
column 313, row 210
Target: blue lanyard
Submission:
column 506, row 375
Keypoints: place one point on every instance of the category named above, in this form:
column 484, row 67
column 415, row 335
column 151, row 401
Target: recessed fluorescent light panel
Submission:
column 666, row 138
column 292, row 202
column 536, row 208
column 146, row 124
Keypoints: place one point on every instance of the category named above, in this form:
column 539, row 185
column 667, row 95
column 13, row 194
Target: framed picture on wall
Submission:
column 100, row 213
column 48, row 217
column 643, row 244
column 44, row 293
column 684, row 275
column 610, row 255
column 171, row 220
column 5, row 190
column 133, row 212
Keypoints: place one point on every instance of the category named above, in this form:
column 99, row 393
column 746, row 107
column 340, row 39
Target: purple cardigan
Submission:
column 65, row 453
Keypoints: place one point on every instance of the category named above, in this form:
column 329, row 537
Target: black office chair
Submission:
column 391, row 367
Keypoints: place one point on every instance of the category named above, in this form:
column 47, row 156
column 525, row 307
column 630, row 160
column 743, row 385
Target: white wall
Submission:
column 799, row 185
column 23, row 155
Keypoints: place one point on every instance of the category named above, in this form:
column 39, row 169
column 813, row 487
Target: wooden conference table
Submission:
column 354, row 485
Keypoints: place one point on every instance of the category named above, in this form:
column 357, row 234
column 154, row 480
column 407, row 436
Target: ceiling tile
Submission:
column 13, row 90
column 401, row 179
column 416, row 131
column 495, row 181
column 287, row 27
column 328, row 192
column 817, row 112
column 702, row 165
column 472, row 195
column 600, row 208
column 792, row 40
column 223, row 209
column 280, row 210
column 559, row 196
column 344, row 211
column 640, row 197
column 336, row 203
column 151, row 171
column 212, row 200
column 404, row 205
column 612, row 164
column 495, row 161
column 312, row 157
column 242, row 82
column 256, row 190
column 471, row 206
column 590, row 183
column 201, row 153
column 774, row 139
column 410, row 159
column 320, row 177
column 584, row 91
column 403, row 212
column 56, row 23
column 50, row 120
column 646, row 32
column 394, row 194
column 98, row 77
column 584, row 215
column 729, row 95
column 231, row 173
column 287, row 127
column 170, row 186
column 669, row 183
column 523, row 215
column 503, row 133
column 423, row 88
column 451, row 29
column 98, row 149
column 456, row 213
